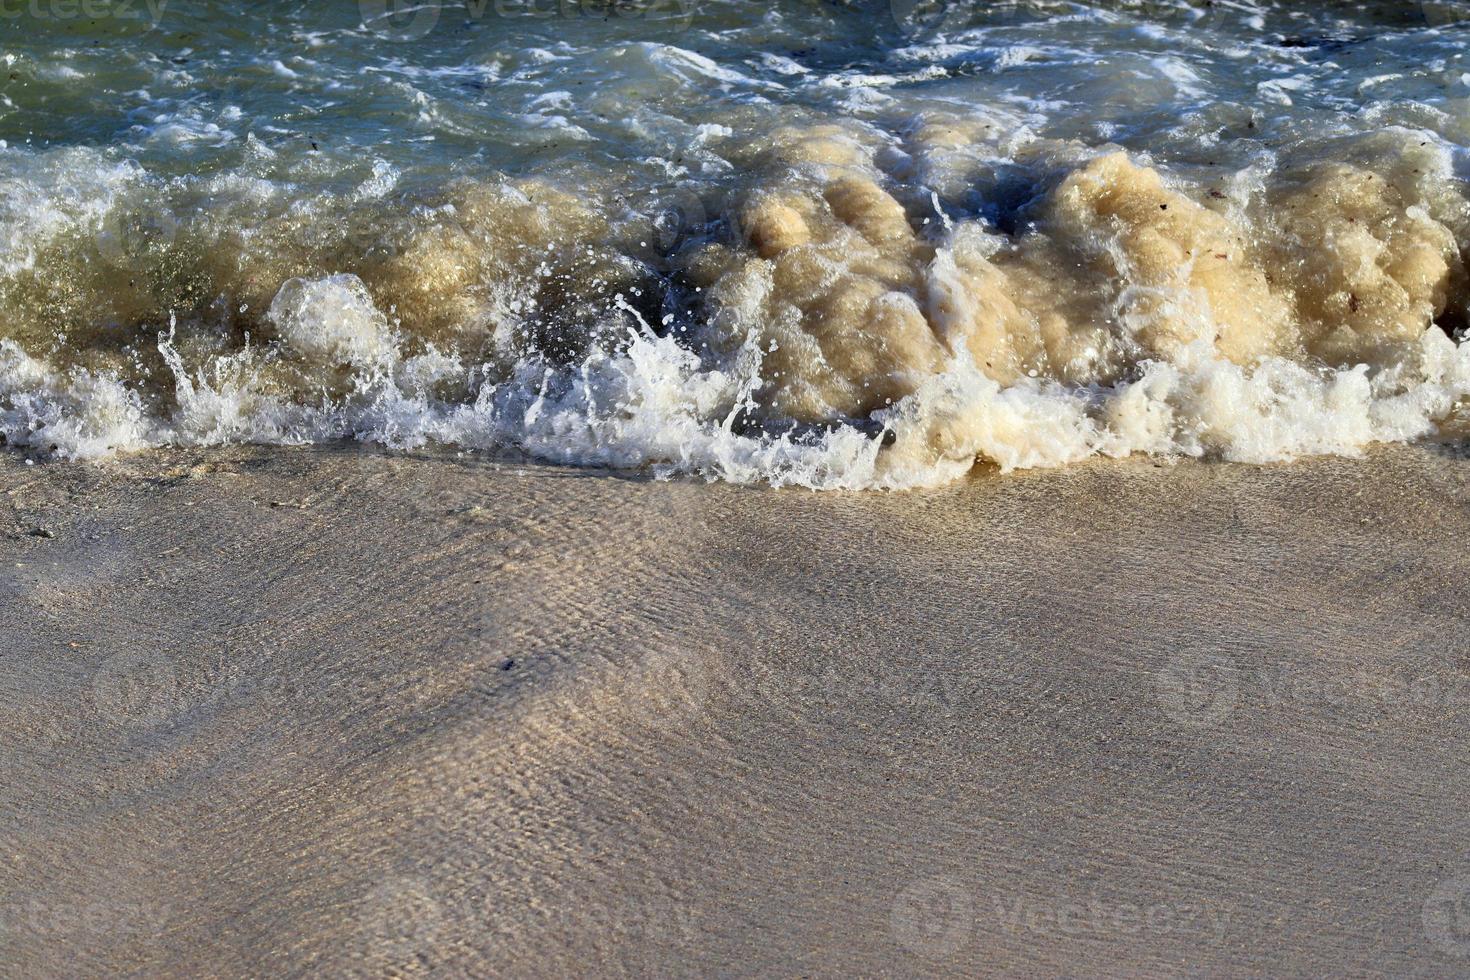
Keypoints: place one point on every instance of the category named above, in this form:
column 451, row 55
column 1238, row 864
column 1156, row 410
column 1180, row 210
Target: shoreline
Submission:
column 314, row 710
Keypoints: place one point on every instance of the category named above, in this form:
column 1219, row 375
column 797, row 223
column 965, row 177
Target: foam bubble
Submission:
column 868, row 270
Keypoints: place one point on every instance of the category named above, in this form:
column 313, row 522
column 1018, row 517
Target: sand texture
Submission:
column 319, row 712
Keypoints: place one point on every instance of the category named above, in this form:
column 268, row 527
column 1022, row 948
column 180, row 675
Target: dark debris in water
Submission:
column 1326, row 44
column 812, row 433
column 1454, row 322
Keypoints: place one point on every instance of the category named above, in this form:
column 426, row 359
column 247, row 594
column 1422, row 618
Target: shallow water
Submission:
column 833, row 244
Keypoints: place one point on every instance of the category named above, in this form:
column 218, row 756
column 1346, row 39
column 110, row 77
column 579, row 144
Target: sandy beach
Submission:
column 864, row 488
column 287, row 712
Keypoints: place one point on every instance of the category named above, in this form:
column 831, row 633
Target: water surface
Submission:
column 835, row 244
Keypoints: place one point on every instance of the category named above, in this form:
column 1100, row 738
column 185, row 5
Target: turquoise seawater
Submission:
column 831, row 243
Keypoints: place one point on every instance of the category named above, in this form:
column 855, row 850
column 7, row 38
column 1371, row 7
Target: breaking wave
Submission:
column 1076, row 230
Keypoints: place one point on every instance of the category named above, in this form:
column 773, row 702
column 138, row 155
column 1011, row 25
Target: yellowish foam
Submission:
column 1123, row 310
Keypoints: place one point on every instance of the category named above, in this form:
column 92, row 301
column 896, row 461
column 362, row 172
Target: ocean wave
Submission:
column 740, row 283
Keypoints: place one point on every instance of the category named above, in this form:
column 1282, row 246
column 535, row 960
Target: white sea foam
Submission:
column 790, row 244
column 654, row 405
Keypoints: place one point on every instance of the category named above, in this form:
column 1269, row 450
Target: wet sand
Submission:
column 318, row 711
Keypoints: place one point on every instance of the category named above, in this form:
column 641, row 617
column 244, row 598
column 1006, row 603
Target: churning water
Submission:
column 826, row 243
